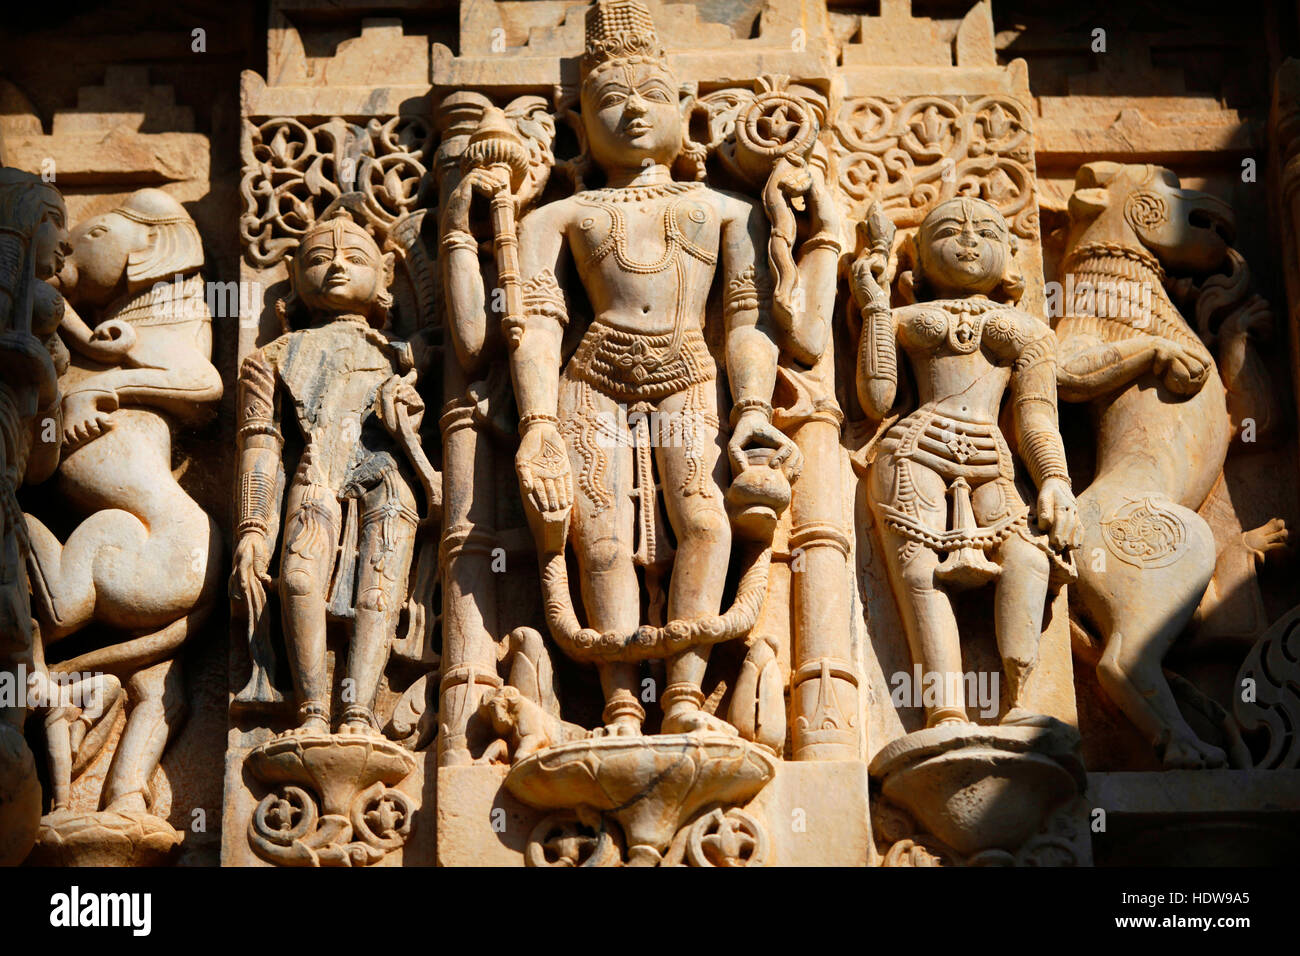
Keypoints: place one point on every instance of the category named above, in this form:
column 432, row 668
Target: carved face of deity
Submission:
column 339, row 269
column 964, row 248
column 630, row 112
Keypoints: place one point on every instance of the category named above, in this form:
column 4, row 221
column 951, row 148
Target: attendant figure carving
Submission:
column 351, row 510
column 951, row 509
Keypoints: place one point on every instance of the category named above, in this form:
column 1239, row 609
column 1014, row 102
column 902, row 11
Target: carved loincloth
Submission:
column 637, row 370
column 966, row 455
column 313, row 532
column 592, row 423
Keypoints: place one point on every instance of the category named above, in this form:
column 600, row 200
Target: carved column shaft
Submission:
column 824, row 680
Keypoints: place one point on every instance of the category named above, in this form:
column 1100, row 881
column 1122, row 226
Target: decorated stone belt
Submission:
column 635, row 366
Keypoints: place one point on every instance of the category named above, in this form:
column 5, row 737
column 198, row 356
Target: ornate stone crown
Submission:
column 618, row 29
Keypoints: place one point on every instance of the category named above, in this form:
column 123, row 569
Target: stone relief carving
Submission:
column 626, row 431
column 952, row 513
column 33, row 231
column 482, row 147
column 768, row 140
column 1158, row 388
column 292, row 172
column 986, row 796
column 966, row 344
column 1270, row 672
column 146, row 560
column 660, row 452
column 910, row 153
column 348, row 530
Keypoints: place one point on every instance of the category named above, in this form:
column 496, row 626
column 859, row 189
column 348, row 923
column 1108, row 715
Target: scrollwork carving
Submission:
column 728, row 838
column 292, row 172
column 359, row 816
column 909, row 154
column 562, row 840
column 1271, row 674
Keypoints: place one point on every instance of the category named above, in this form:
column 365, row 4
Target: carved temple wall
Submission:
column 354, row 640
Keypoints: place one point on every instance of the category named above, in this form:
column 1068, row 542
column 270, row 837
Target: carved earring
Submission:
column 384, row 300
column 694, row 156
column 285, row 307
column 911, row 281
column 1013, row 280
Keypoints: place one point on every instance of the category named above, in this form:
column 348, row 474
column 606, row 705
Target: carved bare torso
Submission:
column 963, row 353
column 655, row 285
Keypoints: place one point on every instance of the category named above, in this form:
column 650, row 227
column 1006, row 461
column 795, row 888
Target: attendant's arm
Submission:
column 814, row 300
column 877, row 372
column 1033, row 396
column 751, row 352
column 1038, row 433
column 468, row 321
column 260, row 444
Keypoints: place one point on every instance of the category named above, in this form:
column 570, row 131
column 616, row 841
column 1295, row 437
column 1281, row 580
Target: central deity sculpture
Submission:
column 646, row 248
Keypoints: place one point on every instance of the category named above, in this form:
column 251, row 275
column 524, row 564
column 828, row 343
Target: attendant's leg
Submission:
column 1021, row 602
column 925, row 608
column 385, row 546
column 310, row 538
